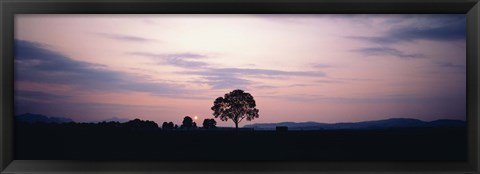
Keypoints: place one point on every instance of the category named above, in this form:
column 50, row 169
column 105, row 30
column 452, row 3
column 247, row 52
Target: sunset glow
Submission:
column 323, row 68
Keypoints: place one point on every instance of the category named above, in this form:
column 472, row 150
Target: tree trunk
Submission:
column 236, row 122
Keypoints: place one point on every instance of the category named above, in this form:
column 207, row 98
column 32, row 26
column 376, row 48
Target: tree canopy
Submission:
column 167, row 126
column 187, row 122
column 236, row 105
column 209, row 123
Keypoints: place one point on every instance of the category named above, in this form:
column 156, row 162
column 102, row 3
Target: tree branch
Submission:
column 241, row 119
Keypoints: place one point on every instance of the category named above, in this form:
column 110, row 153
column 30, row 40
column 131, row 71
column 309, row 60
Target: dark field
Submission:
column 63, row 142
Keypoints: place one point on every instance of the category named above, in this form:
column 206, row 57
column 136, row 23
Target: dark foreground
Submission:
column 60, row 142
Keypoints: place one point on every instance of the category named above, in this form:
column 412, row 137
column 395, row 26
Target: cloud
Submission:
column 357, row 100
column 35, row 63
column 451, row 65
column 225, row 78
column 266, row 72
column 191, row 60
column 443, row 28
column 299, row 85
column 263, row 86
column 81, row 111
column 357, row 79
column 386, row 51
column 227, row 82
column 374, row 39
column 184, row 60
column 328, row 81
column 185, row 55
column 319, row 65
column 221, row 81
column 121, row 37
column 221, row 78
column 39, row 96
column 185, row 63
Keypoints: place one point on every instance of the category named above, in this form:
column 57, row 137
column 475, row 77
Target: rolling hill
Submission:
column 376, row 124
column 32, row 118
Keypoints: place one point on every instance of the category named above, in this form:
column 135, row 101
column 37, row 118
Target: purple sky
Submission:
column 323, row 68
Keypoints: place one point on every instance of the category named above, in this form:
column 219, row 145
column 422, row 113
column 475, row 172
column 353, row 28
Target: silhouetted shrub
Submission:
column 167, row 126
column 187, row 122
column 209, row 123
column 138, row 124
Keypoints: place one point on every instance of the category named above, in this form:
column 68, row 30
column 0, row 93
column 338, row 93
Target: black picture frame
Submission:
column 9, row 8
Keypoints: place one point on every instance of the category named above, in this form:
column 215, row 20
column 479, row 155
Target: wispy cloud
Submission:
column 184, row 60
column 441, row 28
column 329, row 81
column 185, row 55
column 354, row 100
column 386, row 51
column 219, row 78
column 122, row 37
column 357, row 79
column 264, row 72
column 320, row 65
column 35, row 63
column 39, row 96
column 451, row 65
column 81, row 111
column 375, row 39
column 227, row 82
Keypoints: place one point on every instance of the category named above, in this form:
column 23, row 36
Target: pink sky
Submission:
column 323, row 68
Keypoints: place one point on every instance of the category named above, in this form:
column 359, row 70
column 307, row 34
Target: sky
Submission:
column 318, row 67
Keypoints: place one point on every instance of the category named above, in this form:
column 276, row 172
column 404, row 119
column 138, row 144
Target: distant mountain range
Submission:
column 32, row 118
column 377, row 124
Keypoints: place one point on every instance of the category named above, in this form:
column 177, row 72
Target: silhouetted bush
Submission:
column 168, row 126
column 138, row 124
column 187, row 122
column 209, row 123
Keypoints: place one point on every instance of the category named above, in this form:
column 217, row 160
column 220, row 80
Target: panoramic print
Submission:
column 240, row 87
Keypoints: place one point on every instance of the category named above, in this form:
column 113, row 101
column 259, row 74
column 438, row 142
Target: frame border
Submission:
column 8, row 9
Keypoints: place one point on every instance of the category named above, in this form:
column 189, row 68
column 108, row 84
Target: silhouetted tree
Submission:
column 236, row 105
column 187, row 122
column 140, row 124
column 194, row 125
column 209, row 123
column 167, row 126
